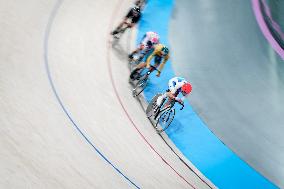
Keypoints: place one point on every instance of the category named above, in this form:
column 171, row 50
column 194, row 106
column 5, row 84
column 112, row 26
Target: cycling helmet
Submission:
column 136, row 8
column 155, row 40
column 165, row 50
column 186, row 88
column 153, row 36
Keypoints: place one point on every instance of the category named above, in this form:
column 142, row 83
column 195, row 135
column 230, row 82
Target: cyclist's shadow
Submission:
column 175, row 127
column 118, row 49
column 119, row 52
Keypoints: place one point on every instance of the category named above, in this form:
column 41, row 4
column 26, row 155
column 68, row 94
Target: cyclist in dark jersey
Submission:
column 132, row 17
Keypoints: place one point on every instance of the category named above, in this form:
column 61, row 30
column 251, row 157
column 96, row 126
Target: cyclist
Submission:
column 160, row 52
column 147, row 43
column 176, row 85
column 132, row 17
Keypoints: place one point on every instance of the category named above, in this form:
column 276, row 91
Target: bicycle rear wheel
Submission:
column 164, row 120
column 134, row 62
column 152, row 105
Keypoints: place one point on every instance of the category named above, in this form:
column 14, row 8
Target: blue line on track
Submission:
column 46, row 39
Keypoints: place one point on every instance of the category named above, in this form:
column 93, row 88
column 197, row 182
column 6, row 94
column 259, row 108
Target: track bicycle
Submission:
column 162, row 116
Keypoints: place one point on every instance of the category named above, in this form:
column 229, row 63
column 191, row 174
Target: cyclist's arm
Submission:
column 150, row 58
column 170, row 95
column 144, row 39
column 163, row 64
column 180, row 100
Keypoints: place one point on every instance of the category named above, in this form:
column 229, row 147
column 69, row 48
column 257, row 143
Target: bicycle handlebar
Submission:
column 182, row 104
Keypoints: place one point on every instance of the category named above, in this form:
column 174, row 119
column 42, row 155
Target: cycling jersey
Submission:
column 150, row 36
column 134, row 19
column 175, row 85
column 158, row 54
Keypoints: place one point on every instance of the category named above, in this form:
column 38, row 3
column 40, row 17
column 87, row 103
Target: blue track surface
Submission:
column 188, row 132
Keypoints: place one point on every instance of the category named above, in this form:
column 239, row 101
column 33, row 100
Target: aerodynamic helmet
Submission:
column 186, row 88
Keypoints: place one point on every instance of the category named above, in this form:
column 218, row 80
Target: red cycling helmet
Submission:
column 186, row 88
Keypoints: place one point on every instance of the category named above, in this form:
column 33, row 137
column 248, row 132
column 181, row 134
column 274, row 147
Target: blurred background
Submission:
column 238, row 76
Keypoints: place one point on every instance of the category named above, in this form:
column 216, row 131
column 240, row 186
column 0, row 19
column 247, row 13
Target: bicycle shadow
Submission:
column 119, row 52
column 118, row 49
column 175, row 128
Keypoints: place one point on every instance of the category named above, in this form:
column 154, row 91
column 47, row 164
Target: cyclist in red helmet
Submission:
column 176, row 85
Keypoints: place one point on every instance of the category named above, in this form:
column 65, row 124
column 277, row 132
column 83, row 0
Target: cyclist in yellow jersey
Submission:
column 160, row 52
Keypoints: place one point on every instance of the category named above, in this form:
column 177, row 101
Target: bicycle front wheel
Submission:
column 164, row 120
column 139, row 87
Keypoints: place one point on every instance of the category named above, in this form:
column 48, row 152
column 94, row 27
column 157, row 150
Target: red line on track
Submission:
column 117, row 7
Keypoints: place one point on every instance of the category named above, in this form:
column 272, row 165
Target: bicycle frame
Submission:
column 165, row 116
column 173, row 101
column 142, row 81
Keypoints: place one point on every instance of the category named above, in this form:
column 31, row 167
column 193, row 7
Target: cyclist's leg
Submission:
column 157, row 61
column 171, row 92
column 144, row 51
column 139, row 67
column 138, row 49
column 170, row 100
column 161, row 98
column 119, row 27
column 124, row 27
column 160, row 103
column 128, row 24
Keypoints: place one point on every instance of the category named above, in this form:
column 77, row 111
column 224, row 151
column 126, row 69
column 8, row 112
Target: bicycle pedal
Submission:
column 134, row 93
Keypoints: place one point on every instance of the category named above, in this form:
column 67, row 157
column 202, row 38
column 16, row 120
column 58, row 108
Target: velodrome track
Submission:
column 68, row 119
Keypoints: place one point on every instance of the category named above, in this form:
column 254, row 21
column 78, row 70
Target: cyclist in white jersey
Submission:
column 176, row 85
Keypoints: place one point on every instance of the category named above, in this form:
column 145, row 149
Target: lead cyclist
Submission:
column 132, row 17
